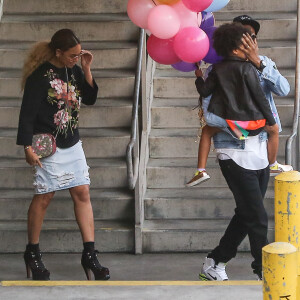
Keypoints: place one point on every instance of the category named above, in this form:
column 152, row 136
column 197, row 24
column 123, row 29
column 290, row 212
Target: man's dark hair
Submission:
column 228, row 37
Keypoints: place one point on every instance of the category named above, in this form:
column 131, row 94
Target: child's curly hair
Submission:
column 228, row 37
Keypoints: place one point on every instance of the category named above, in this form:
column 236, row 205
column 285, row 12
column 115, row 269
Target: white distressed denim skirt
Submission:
column 65, row 169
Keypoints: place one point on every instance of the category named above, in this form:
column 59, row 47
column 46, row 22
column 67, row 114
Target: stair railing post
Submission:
column 141, row 185
column 132, row 160
column 295, row 128
column 147, row 96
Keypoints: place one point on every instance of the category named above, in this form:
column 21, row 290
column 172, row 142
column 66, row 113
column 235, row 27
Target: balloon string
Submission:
column 154, row 2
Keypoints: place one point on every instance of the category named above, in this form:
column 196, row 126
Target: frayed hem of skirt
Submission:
column 61, row 188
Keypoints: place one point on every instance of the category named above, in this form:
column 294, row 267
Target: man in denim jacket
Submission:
column 244, row 165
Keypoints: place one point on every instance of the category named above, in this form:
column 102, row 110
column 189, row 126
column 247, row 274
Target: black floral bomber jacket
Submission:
column 44, row 104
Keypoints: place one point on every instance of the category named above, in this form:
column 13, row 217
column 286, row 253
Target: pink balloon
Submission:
column 197, row 5
column 163, row 21
column 191, row 44
column 162, row 50
column 138, row 11
column 187, row 17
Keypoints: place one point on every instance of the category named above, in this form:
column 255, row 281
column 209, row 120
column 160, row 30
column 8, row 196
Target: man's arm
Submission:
column 275, row 81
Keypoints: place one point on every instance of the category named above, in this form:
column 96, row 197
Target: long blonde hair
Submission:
column 38, row 54
column 63, row 39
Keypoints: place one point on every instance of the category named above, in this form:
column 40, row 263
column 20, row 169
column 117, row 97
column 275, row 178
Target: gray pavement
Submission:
column 129, row 267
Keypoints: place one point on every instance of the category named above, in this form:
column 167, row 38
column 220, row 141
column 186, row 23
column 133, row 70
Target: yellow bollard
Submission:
column 287, row 209
column 280, row 271
column 298, row 288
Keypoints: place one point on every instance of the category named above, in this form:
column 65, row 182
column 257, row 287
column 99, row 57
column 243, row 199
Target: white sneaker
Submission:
column 212, row 271
column 279, row 168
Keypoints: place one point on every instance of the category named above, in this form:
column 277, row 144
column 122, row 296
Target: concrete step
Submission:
column 183, row 113
column 112, row 83
column 175, row 172
column 284, row 22
column 97, row 142
column 171, row 83
column 195, row 192
column 190, row 102
column 88, row 27
column 201, row 207
column 118, row 6
column 188, row 235
column 102, row 114
column 107, row 55
column 104, row 173
column 283, row 53
column 108, row 204
column 69, row 7
column 116, row 113
column 260, row 6
column 64, row 236
column 183, row 142
column 284, row 57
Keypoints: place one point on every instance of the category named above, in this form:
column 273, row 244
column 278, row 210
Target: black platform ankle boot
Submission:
column 35, row 265
column 89, row 262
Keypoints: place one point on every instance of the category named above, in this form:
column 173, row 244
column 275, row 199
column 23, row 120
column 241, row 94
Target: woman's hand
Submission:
column 86, row 60
column 198, row 73
column 250, row 48
column 31, row 158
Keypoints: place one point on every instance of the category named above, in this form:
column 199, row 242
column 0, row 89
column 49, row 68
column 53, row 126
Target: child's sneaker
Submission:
column 198, row 177
column 212, row 271
column 278, row 168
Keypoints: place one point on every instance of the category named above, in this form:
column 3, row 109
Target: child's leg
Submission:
column 237, row 132
column 204, row 145
column 273, row 142
column 240, row 134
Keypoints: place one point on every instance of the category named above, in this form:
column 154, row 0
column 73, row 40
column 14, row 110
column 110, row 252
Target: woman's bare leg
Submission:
column 83, row 212
column 36, row 214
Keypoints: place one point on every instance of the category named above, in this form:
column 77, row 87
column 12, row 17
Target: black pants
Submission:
column 248, row 188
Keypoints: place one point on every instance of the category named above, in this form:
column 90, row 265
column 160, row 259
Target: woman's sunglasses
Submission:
column 76, row 56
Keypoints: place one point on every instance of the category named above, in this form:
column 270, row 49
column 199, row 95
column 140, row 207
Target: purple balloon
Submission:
column 212, row 57
column 208, row 20
column 185, row 66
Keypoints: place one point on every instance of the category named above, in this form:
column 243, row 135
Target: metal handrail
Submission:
column 288, row 145
column 132, row 157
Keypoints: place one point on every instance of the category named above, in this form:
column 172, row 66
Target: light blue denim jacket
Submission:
column 271, row 81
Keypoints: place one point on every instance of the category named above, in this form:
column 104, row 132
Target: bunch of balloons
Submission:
column 181, row 31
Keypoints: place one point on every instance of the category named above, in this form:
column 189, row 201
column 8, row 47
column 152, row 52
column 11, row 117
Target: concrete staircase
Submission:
column 104, row 28
column 175, row 218
column 194, row 219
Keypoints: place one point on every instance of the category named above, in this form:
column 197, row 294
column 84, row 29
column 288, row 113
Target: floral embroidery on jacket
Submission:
column 59, row 94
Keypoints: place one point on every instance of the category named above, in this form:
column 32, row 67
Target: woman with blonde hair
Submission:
column 54, row 88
